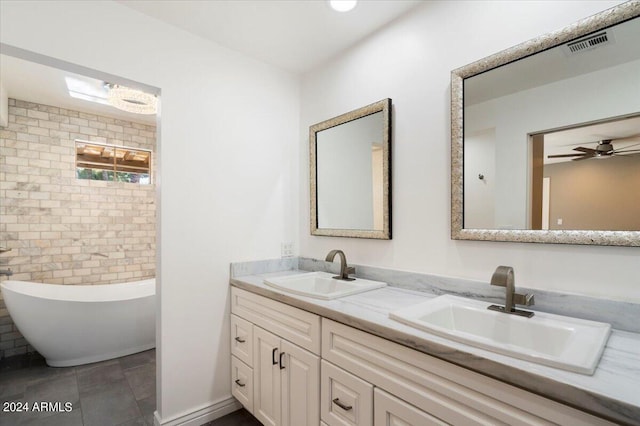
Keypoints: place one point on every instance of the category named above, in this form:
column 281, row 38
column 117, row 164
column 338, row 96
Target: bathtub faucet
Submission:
column 7, row 272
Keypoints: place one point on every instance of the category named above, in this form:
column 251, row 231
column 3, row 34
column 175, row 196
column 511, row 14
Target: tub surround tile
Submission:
column 611, row 392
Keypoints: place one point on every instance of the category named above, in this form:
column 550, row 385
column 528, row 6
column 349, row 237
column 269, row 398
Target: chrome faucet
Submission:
column 504, row 277
column 344, row 269
column 7, row 272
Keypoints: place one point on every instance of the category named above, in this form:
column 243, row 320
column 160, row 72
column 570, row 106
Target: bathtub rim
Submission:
column 82, row 293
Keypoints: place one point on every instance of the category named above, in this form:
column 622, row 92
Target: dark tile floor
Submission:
column 115, row 392
column 237, row 418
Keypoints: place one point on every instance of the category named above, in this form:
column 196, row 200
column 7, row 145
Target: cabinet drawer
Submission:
column 242, row 383
column 391, row 411
column 242, row 339
column 295, row 325
column 451, row 393
column 344, row 398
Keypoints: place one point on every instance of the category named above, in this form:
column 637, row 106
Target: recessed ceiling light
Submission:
column 342, row 5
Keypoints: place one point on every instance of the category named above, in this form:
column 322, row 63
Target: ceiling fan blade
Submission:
column 583, row 149
column 584, row 157
column 565, row 155
column 625, row 148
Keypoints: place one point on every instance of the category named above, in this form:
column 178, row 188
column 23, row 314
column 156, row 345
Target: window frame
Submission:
column 116, row 167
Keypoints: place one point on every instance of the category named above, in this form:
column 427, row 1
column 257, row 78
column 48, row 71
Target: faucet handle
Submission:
column 350, row 270
column 524, row 299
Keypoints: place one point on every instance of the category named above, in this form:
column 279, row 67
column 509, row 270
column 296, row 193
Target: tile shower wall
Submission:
column 63, row 230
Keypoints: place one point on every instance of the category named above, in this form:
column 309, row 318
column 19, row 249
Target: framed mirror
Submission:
column 545, row 137
column 350, row 173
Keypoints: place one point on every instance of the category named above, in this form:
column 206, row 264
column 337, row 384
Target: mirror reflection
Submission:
column 551, row 141
column 587, row 177
column 350, row 194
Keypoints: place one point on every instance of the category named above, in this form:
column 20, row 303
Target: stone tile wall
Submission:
column 64, row 230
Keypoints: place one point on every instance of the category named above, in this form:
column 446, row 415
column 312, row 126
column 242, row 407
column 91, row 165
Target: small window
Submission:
column 96, row 161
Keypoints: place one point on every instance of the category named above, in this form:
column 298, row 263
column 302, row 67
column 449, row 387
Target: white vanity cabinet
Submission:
column 284, row 363
column 444, row 392
column 292, row 367
column 391, row 411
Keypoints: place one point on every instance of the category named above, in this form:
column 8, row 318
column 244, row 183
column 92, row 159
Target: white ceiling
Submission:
column 557, row 63
column 32, row 82
column 296, row 35
column 624, row 134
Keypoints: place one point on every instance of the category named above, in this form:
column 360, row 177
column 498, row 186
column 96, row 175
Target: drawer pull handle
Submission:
column 240, row 384
column 341, row 405
column 240, row 340
column 281, row 366
column 274, row 361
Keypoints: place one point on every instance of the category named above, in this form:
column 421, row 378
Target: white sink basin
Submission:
column 563, row 342
column 321, row 285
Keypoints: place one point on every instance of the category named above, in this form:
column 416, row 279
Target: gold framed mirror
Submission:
column 350, row 173
column 500, row 102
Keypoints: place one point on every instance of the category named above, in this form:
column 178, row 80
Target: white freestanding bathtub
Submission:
column 79, row 324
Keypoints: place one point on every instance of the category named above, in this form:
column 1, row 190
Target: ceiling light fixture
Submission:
column 342, row 5
column 132, row 100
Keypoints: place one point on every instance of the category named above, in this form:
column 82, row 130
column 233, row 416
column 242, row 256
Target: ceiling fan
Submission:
column 603, row 150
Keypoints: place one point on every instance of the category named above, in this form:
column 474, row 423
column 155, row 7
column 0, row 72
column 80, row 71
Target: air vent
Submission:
column 588, row 43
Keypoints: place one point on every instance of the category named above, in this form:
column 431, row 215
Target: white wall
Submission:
column 410, row 61
column 227, row 151
column 479, row 194
column 4, row 106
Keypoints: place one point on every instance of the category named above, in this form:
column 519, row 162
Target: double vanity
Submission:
column 311, row 345
column 310, row 349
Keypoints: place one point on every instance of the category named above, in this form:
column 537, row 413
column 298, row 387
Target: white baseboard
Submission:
column 201, row 415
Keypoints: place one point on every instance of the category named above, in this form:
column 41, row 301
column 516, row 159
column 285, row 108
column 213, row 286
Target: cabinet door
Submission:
column 266, row 377
column 391, row 411
column 300, row 386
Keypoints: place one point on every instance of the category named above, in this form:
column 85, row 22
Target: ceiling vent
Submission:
column 588, row 43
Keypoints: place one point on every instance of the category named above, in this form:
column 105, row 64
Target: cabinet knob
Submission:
column 240, row 340
column 240, row 384
column 341, row 405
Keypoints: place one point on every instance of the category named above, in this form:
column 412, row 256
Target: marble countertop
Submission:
column 612, row 392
